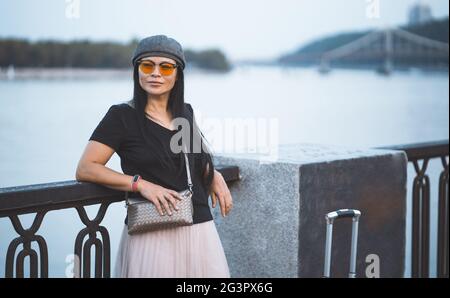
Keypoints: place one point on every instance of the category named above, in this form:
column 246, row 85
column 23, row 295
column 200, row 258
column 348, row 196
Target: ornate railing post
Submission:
column 420, row 221
column 442, row 254
column 102, row 247
column 420, row 249
column 26, row 238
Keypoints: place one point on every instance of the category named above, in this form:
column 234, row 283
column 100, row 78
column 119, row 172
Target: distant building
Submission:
column 420, row 13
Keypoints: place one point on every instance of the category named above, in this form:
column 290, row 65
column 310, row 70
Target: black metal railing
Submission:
column 42, row 198
column 420, row 250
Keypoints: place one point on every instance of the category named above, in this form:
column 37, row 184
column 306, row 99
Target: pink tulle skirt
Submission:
column 182, row 252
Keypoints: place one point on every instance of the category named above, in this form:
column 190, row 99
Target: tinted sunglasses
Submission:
column 165, row 68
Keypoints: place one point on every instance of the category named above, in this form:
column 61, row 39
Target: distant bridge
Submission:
column 389, row 46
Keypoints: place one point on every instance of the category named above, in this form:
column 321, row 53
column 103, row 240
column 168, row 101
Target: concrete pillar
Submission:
column 277, row 226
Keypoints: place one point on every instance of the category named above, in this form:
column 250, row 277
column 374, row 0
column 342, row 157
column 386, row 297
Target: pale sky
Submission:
column 243, row 29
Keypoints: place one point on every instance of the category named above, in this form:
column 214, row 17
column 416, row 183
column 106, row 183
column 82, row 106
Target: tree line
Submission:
column 88, row 54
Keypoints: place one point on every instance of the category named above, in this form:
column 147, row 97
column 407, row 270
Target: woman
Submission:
column 140, row 132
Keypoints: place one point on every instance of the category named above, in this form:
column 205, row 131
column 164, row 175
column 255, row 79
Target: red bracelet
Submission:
column 134, row 183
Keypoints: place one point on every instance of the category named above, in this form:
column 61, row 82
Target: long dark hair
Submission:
column 178, row 108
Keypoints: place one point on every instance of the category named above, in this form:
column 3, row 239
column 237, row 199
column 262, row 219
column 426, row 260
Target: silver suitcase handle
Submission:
column 330, row 217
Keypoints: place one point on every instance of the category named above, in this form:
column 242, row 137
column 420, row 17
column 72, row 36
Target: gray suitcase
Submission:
column 330, row 217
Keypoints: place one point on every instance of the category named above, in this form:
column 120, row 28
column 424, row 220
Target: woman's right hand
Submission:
column 164, row 199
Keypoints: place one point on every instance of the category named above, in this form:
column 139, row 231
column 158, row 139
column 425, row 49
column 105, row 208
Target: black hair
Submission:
column 178, row 108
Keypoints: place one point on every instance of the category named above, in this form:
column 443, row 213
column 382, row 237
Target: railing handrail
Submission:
column 66, row 194
column 422, row 150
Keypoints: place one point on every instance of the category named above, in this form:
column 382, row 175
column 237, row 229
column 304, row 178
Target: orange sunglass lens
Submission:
column 166, row 69
column 146, row 67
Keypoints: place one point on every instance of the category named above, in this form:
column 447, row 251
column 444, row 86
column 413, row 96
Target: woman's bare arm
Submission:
column 91, row 168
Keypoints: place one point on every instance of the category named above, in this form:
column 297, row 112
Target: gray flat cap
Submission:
column 160, row 45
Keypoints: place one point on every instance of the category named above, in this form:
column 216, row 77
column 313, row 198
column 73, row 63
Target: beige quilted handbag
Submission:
column 144, row 217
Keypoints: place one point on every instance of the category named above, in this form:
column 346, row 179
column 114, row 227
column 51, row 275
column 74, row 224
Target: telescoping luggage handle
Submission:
column 330, row 217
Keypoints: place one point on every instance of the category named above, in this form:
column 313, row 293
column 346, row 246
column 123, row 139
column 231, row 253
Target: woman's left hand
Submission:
column 221, row 193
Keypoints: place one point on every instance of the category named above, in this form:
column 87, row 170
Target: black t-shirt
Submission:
column 119, row 130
